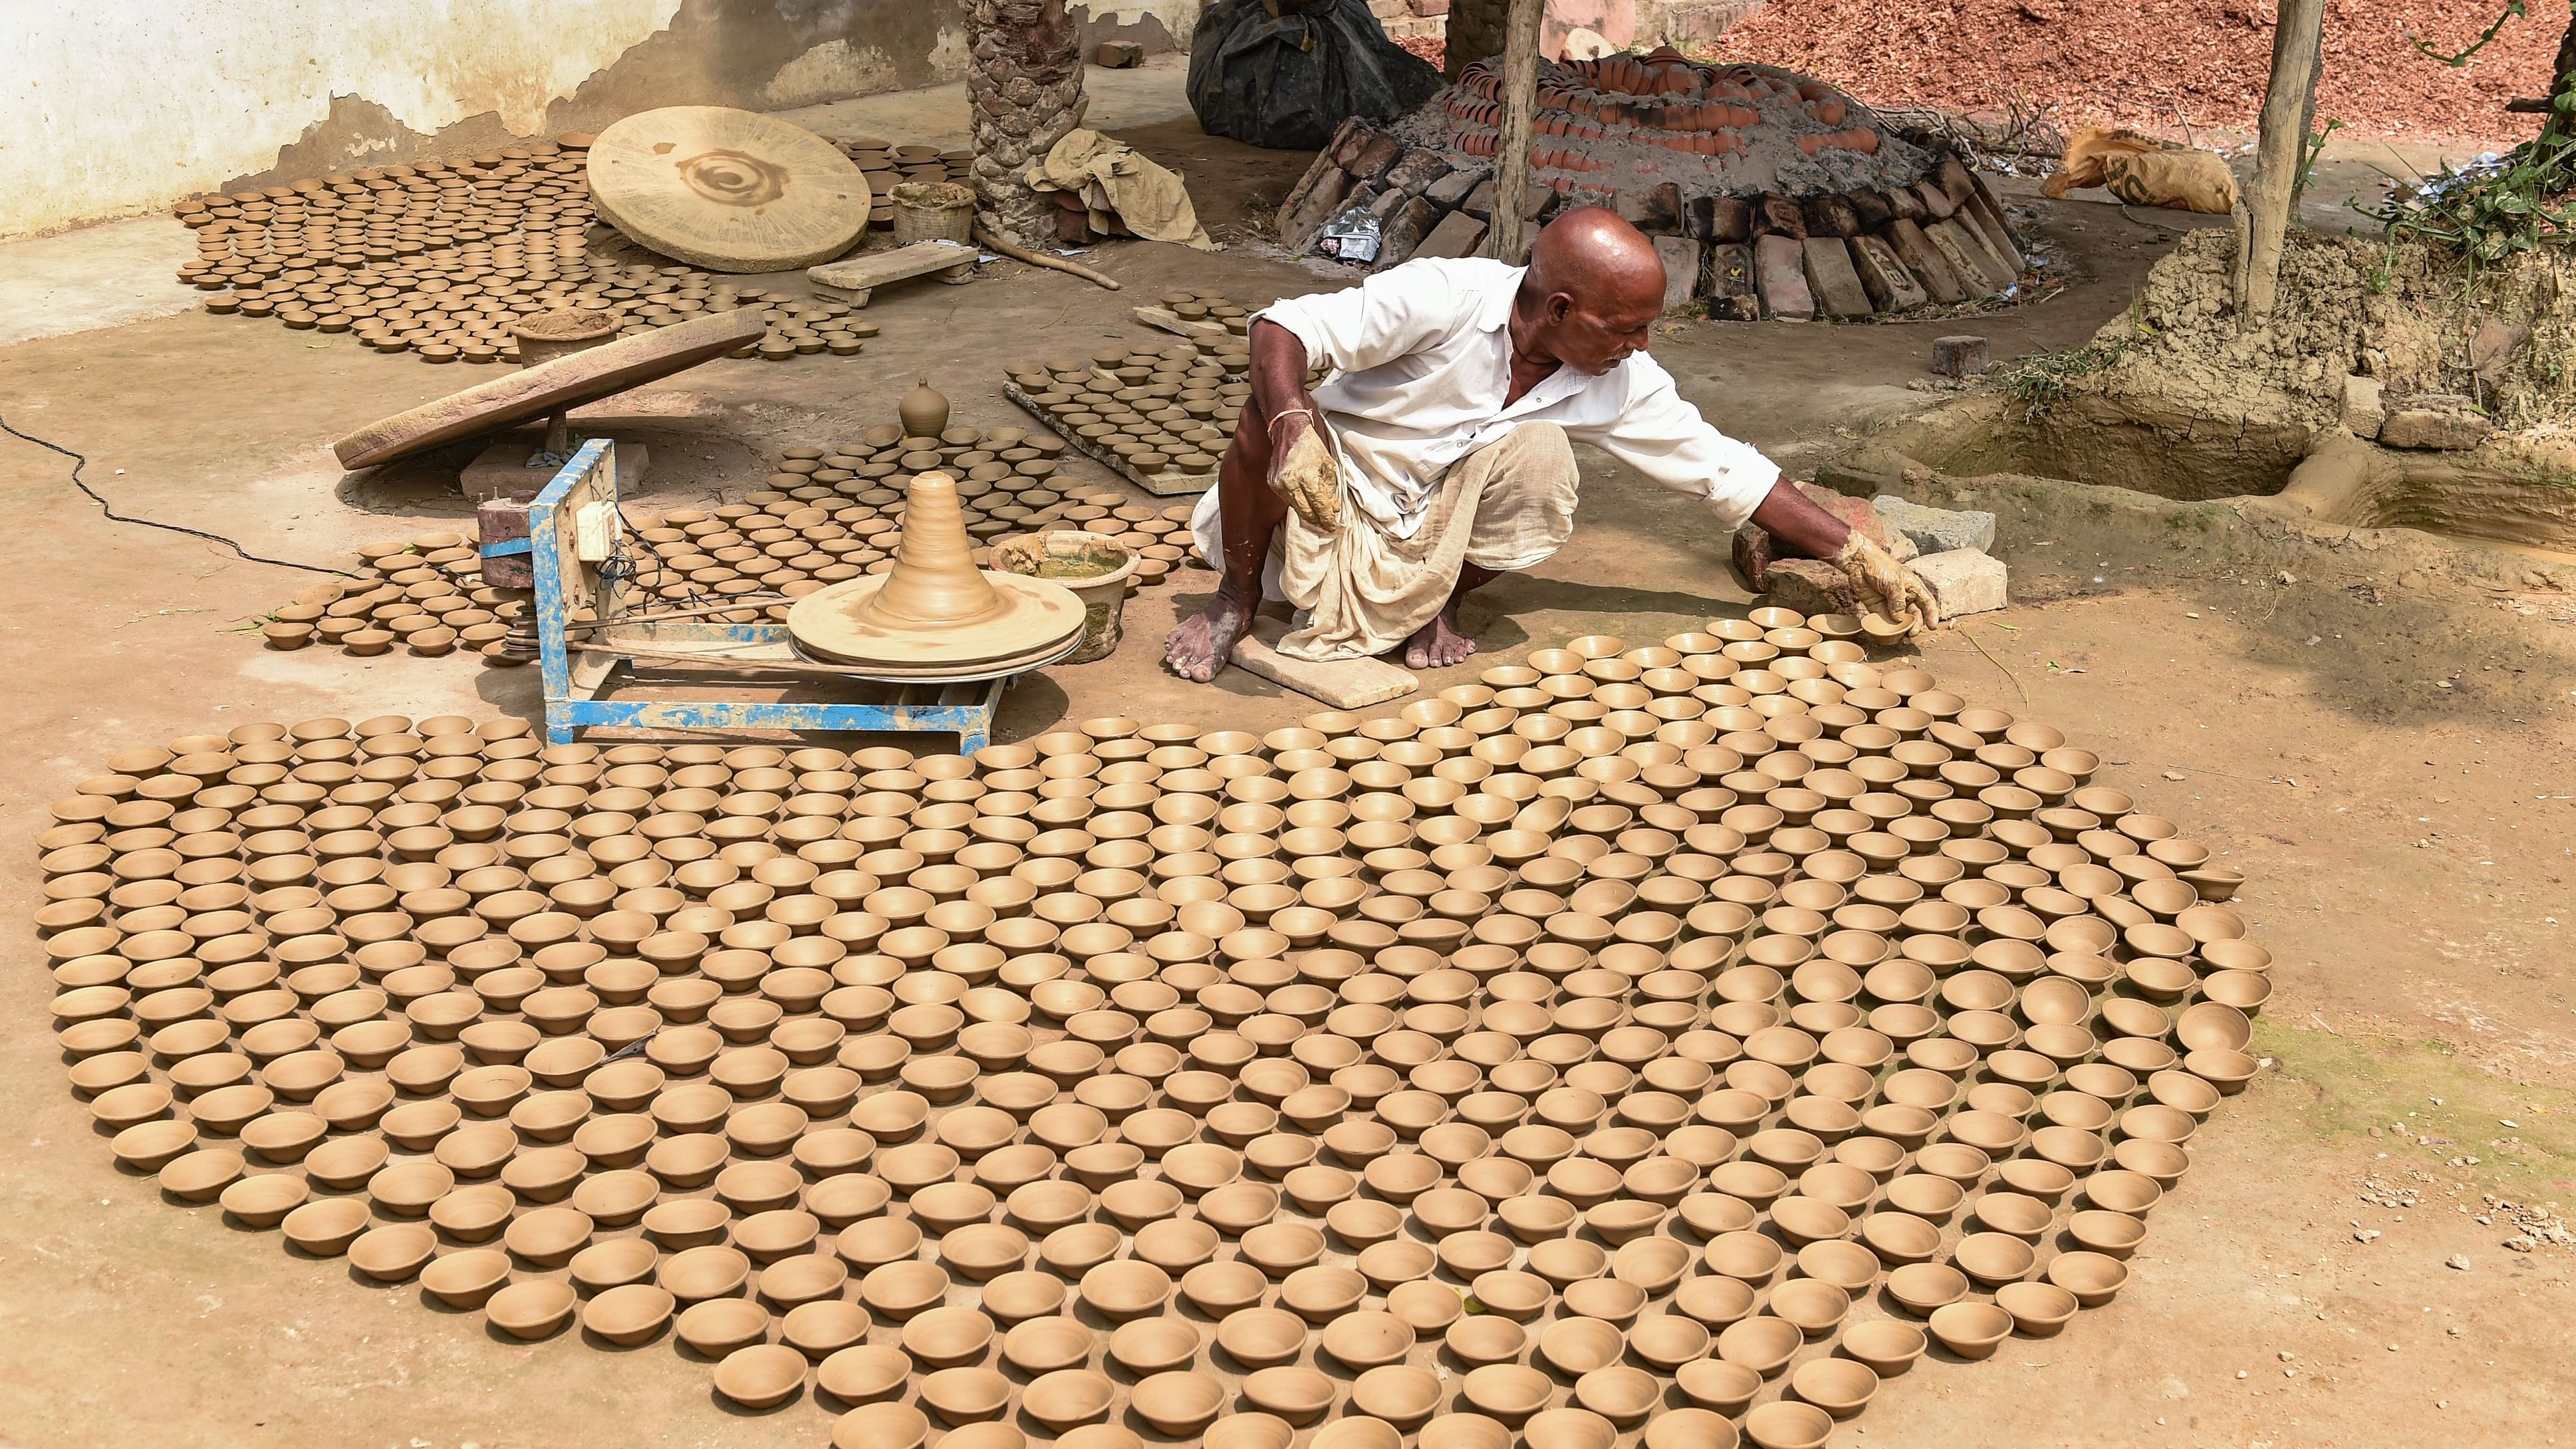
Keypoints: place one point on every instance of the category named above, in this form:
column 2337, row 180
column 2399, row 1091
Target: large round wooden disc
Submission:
column 837, row 623
column 566, row 382
column 728, row 190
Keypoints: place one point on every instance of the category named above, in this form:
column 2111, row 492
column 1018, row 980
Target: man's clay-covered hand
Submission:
column 1302, row 471
column 1886, row 587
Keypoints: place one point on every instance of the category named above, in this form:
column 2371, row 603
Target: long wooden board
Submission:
column 566, row 382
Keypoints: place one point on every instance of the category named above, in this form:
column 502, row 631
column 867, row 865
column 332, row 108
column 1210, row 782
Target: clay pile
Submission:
column 1771, row 193
column 1689, row 1032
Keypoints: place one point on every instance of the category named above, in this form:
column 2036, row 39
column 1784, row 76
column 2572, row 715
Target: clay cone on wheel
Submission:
column 934, row 579
column 934, row 615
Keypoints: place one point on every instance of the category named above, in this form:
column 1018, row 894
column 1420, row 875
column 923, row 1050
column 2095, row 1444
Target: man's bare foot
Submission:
column 1197, row 649
column 1440, row 643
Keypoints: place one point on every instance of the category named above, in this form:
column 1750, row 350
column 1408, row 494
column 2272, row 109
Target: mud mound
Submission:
column 2414, row 319
column 2161, row 64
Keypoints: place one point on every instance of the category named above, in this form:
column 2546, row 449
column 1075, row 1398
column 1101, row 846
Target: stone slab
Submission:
column 1970, row 246
column 2363, row 409
column 1731, row 297
column 1417, row 171
column 1342, row 683
column 1890, row 286
column 1962, row 355
column 1927, row 264
column 1963, row 581
column 851, row 279
column 1453, row 189
column 1682, row 260
column 1754, row 555
column 1457, row 235
column 1322, row 202
column 1937, row 530
column 1405, row 231
column 2429, row 422
column 1780, row 275
column 1830, row 278
column 1810, row 586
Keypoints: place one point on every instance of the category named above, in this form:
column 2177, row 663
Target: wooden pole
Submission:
column 2280, row 150
column 1520, row 111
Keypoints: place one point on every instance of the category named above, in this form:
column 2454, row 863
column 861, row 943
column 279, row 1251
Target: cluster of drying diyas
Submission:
column 1609, row 1030
column 1168, row 410
column 440, row 258
column 426, row 594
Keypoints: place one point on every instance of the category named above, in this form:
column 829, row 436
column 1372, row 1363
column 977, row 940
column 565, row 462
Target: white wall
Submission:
column 127, row 105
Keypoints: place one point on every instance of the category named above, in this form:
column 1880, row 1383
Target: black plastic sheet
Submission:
column 1289, row 79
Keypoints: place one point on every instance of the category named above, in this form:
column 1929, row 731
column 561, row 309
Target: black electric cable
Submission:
column 79, row 462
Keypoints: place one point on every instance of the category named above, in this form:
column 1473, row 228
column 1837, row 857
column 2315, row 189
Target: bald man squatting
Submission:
column 1438, row 455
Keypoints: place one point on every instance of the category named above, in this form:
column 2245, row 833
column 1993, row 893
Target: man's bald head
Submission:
column 1593, row 289
column 1592, row 251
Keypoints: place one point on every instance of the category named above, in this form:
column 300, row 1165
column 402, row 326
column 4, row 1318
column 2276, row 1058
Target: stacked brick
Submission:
column 1771, row 195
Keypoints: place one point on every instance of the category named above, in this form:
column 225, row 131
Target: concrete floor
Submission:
column 2380, row 818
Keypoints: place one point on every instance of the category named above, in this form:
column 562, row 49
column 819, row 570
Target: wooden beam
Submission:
column 1511, row 225
column 2280, row 150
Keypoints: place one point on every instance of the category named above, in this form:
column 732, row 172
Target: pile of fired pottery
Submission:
column 1683, row 1036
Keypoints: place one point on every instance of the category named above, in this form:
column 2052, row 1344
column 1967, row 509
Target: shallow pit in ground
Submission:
column 2517, row 494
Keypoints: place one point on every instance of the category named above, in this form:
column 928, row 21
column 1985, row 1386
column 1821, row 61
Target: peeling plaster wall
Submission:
column 1157, row 25
column 123, row 106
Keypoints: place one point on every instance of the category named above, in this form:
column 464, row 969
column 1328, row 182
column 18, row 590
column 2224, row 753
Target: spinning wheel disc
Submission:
column 728, row 190
column 838, row 623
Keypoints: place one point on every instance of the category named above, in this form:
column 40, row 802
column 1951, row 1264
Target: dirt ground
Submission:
column 2385, row 755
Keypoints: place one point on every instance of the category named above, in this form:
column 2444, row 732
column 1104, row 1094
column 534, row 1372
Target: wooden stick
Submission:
column 1035, row 259
column 1511, row 226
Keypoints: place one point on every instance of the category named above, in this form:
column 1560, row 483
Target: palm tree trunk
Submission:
column 1024, row 84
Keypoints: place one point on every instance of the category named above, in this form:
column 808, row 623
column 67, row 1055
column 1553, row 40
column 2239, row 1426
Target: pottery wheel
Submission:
column 727, row 189
column 839, row 623
column 567, row 382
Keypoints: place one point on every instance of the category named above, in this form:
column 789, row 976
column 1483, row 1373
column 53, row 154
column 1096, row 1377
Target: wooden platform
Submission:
column 853, row 279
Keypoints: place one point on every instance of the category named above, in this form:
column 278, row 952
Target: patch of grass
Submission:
column 2446, row 1109
column 2039, row 382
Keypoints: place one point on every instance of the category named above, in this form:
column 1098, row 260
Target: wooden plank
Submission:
column 551, row 387
column 1170, row 321
column 1511, row 228
column 853, row 278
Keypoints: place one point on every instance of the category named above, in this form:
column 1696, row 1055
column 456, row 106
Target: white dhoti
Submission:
column 1362, row 591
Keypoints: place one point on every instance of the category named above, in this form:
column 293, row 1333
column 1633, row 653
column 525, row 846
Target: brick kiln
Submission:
column 1771, row 194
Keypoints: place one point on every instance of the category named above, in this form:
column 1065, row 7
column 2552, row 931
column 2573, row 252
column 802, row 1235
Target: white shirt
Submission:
column 1423, row 362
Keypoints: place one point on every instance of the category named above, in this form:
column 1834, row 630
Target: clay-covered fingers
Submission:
column 1927, row 612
